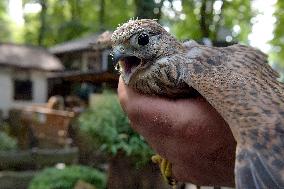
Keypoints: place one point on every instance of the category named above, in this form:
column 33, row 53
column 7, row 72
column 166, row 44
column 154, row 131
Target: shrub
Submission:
column 66, row 178
column 109, row 128
column 7, row 142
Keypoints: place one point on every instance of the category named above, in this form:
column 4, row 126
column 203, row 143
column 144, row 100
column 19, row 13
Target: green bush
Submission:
column 7, row 142
column 66, row 178
column 109, row 128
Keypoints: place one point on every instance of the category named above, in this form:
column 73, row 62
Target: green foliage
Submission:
column 69, row 19
column 188, row 28
column 5, row 24
column 238, row 12
column 109, row 128
column 118, row 12
column 53, row 178
column 7, row 142
column 203, row 20
column 278, row 41
column 148, row 9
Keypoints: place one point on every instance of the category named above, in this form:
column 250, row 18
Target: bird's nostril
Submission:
column 122, row 49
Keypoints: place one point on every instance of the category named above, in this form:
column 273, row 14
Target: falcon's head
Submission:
column 137, row 44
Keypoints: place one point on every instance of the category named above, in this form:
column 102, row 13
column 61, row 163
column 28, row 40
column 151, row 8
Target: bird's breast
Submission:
column 162, row 79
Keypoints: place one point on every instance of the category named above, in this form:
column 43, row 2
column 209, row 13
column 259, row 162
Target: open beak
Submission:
column 128, row 63
column 117, row 55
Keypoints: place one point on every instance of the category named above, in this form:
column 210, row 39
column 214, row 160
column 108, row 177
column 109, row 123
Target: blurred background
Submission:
column 49, row 22
column 61, row 125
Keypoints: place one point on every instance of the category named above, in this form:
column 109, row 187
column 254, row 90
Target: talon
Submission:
column 156, row 159
column 172, row 181
column 165, row 168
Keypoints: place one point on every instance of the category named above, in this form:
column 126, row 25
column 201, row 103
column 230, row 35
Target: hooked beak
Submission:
column 128, row 63
column 117, row 54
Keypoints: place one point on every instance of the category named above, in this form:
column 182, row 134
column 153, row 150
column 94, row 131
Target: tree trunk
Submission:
column 203, row 24
column 148, row 9
column 206, row 13
column 218, row 22
column 102, row 15
column 42, row 28
column 75, row 9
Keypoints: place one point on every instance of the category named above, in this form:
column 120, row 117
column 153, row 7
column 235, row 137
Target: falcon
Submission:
column 236, row 80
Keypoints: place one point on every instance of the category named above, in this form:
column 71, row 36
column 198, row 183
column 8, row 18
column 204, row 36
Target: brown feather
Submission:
column 237, row 81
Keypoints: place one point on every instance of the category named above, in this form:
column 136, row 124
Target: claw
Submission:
column 165, row 168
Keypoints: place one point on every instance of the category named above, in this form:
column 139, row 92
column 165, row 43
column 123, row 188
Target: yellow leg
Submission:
column 166, row 169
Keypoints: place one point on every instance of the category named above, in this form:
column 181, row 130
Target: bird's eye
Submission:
column 143, row 39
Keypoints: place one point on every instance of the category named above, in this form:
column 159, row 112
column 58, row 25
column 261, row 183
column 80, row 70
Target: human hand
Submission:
column 189, row 133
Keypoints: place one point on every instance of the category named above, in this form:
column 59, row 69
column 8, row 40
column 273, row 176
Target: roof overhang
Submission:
column 90, row 76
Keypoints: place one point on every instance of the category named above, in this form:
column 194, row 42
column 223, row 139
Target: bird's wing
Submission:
column 255, row 59
column 259, row 159
column 260, row 152
column 260, row 148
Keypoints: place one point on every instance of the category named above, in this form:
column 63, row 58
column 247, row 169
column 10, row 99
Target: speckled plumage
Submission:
column 235, row 80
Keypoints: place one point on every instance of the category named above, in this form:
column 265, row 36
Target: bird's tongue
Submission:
column 130, row 63
column 128, row 66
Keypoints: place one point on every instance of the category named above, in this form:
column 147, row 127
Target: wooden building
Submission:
column 23, row 75
column 87, row 64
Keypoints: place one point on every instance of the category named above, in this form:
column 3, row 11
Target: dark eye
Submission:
column 143, row 39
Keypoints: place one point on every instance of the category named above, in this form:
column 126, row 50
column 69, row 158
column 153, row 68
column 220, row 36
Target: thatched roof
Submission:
column 97, row 41
column 28, row 57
